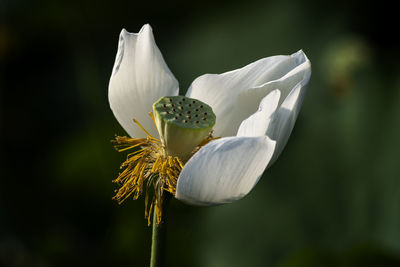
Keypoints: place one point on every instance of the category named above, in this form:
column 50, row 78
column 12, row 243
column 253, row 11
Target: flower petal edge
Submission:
column 224, row 170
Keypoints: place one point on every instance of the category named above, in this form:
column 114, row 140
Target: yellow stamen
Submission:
column 152, row 117
column 142, row 128
column 148, row 166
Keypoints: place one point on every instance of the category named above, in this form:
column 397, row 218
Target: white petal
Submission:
column 248, row 99
column 235, row 95
column 140, row 77
column 257, row 124
column 285, row 117
column 224, row 170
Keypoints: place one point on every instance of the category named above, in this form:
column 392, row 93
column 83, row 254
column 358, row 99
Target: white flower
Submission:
column 255, row 106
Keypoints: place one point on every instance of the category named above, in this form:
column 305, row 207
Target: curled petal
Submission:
column 278, row 124
column 284, row 118
column 257, row 124
column 140, row 77
column 224, row 170
column 235, row 95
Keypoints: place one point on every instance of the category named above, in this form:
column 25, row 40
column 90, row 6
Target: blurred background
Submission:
column 332, row 198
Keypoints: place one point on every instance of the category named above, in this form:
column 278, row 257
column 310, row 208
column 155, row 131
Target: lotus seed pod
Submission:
column 182, row 123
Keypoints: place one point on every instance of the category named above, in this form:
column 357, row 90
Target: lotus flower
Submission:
column 255, row 110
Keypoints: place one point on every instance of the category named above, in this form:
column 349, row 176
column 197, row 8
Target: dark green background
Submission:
column 331, row 199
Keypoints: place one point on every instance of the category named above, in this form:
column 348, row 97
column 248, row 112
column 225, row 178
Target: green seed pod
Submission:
column 182, row 123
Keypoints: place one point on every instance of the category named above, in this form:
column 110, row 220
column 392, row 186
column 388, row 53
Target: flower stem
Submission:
column 159, row 236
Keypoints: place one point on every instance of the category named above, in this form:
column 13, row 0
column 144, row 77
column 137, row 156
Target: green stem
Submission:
column 159, row 236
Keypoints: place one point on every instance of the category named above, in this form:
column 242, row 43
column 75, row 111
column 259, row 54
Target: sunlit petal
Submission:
column 224, row 170
column 140, row 77
column 235, row 95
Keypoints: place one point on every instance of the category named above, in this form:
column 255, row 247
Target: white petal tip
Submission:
column 276, row 93
column 300, row 57
column 146, row 29
column 127, row 36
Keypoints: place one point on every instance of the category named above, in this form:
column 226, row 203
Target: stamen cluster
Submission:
column 149, row 167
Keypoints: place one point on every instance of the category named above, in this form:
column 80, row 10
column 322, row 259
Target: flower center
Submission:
column 183, row 123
